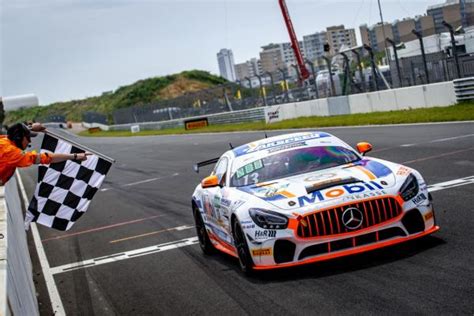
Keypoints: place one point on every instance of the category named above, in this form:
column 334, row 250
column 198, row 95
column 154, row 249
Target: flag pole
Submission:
column 111, row 160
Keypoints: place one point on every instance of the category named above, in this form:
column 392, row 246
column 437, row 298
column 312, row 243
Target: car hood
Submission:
column 363, row 179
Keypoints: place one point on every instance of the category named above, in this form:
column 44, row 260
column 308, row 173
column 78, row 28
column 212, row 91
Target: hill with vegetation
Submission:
column 139, row 93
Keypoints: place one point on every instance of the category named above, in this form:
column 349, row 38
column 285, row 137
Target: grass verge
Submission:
column 458, row 112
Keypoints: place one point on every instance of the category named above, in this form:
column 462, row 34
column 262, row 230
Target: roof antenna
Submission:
column 231, row 147
column 266, row 136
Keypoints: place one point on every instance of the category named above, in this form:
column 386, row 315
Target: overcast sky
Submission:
column 71, row 49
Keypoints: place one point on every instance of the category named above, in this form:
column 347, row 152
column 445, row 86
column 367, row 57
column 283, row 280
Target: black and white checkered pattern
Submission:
column 65, row 189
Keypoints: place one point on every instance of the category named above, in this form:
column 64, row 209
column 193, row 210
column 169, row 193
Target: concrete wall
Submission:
column 436, row 94
column 17, row 291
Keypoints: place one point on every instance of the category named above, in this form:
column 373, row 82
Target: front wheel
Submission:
column 204, row 241
column 245, row 260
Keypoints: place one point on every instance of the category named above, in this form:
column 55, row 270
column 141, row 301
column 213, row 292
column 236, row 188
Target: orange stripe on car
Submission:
column 367, row 172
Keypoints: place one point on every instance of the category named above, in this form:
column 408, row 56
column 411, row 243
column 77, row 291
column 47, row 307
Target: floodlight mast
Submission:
column 304, row 73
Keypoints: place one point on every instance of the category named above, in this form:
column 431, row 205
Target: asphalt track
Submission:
column 145, row 201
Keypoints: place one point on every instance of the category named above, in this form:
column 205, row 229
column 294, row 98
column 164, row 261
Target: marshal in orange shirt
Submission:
column 12, row 157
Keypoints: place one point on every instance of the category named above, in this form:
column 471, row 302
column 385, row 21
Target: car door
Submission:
column 216, row 206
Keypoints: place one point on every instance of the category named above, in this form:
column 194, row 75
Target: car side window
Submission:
column 220, row 170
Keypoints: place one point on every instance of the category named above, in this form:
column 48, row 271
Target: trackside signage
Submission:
column 196, row 123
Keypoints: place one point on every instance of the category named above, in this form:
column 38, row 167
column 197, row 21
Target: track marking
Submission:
column 194, row 240
column 437, row 156
column 184, row 227
column 451, row 184
column 141, row 182
column 439, row 140
column 101, row 228
column 125, row 255
column 56, row 303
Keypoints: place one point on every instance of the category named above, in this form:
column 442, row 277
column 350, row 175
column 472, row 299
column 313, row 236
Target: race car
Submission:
column 306, row 197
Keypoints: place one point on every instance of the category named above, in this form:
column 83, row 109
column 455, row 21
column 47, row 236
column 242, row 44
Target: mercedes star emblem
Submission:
column 352, row 218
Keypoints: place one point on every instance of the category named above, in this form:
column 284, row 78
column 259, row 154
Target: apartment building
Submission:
column 338, row 36
column 249, row 68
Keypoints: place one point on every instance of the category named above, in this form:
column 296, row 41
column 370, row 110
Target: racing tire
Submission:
column 245, row 260
column 204, row 241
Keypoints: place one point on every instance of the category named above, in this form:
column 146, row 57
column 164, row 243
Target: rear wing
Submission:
column 205, row 163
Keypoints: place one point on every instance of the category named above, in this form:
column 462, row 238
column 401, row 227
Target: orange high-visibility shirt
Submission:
column 12, row 157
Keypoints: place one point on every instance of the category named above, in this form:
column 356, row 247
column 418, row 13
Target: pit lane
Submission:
column 147, row 194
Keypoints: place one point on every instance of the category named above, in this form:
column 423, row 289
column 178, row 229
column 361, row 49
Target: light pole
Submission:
column 359, row 66
column 422, row 47
column 395, row 48
column 262, row 90
column 282, row 71
column 272, row 84
column 311, row 64
column 453, row 45
column 328, row 64
column 375, row 83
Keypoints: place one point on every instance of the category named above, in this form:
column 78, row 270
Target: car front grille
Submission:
column 331, row 221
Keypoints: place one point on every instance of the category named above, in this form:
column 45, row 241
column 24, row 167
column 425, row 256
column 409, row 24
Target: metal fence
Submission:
column 234, row 97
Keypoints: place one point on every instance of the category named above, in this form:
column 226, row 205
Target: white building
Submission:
column 225, row 59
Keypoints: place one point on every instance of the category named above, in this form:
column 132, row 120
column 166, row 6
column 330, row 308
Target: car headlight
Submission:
column 268, row 219
column 410, row 188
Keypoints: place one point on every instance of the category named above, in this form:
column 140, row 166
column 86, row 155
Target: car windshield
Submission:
column 289, row 163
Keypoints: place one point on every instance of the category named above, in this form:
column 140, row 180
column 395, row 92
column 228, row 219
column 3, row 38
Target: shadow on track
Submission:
column 326, row 268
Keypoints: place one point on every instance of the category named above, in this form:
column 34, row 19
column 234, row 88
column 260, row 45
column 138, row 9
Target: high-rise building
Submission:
column 314, row 45
column 455, row 12
column 271, row 58
column 249, row 69
column 225, row 59
column 338, row 36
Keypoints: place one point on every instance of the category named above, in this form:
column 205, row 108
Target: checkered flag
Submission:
column 65, row 190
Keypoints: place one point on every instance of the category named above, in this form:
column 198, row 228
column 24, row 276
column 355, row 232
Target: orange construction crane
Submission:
column 304, row 73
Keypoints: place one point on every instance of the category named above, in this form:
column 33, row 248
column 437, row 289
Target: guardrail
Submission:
column 251, row 115
column 464, row 89
column 17, row 291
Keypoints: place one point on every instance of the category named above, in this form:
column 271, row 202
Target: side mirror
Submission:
column 209, row 182
column 364, row 147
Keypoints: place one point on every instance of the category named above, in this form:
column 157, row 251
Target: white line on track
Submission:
column 142, row 181
column 56, row 303
column 125, row 255
column 439, row 140
column 193, row 240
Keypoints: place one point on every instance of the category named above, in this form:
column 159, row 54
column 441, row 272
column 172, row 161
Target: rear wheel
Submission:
column 245, row 260
column 204, row 241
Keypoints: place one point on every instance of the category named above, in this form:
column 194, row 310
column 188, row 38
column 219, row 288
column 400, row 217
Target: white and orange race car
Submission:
column 305, row 197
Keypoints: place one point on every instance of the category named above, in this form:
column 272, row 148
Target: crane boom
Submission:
column 304, row 73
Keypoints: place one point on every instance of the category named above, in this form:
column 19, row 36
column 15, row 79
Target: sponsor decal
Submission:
column 365, row 195
column 245, row 149
column 319, row 196
column 273, row 115
column 248, row 226
column 403, row 171
column 428, row 216
column 246, row 222
column 419, row 198
column 378, row 169
column 286, row 147
column 270, row 192
column 265, row 234
column 320, row 177
column 262, row 252
column 226, row 202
